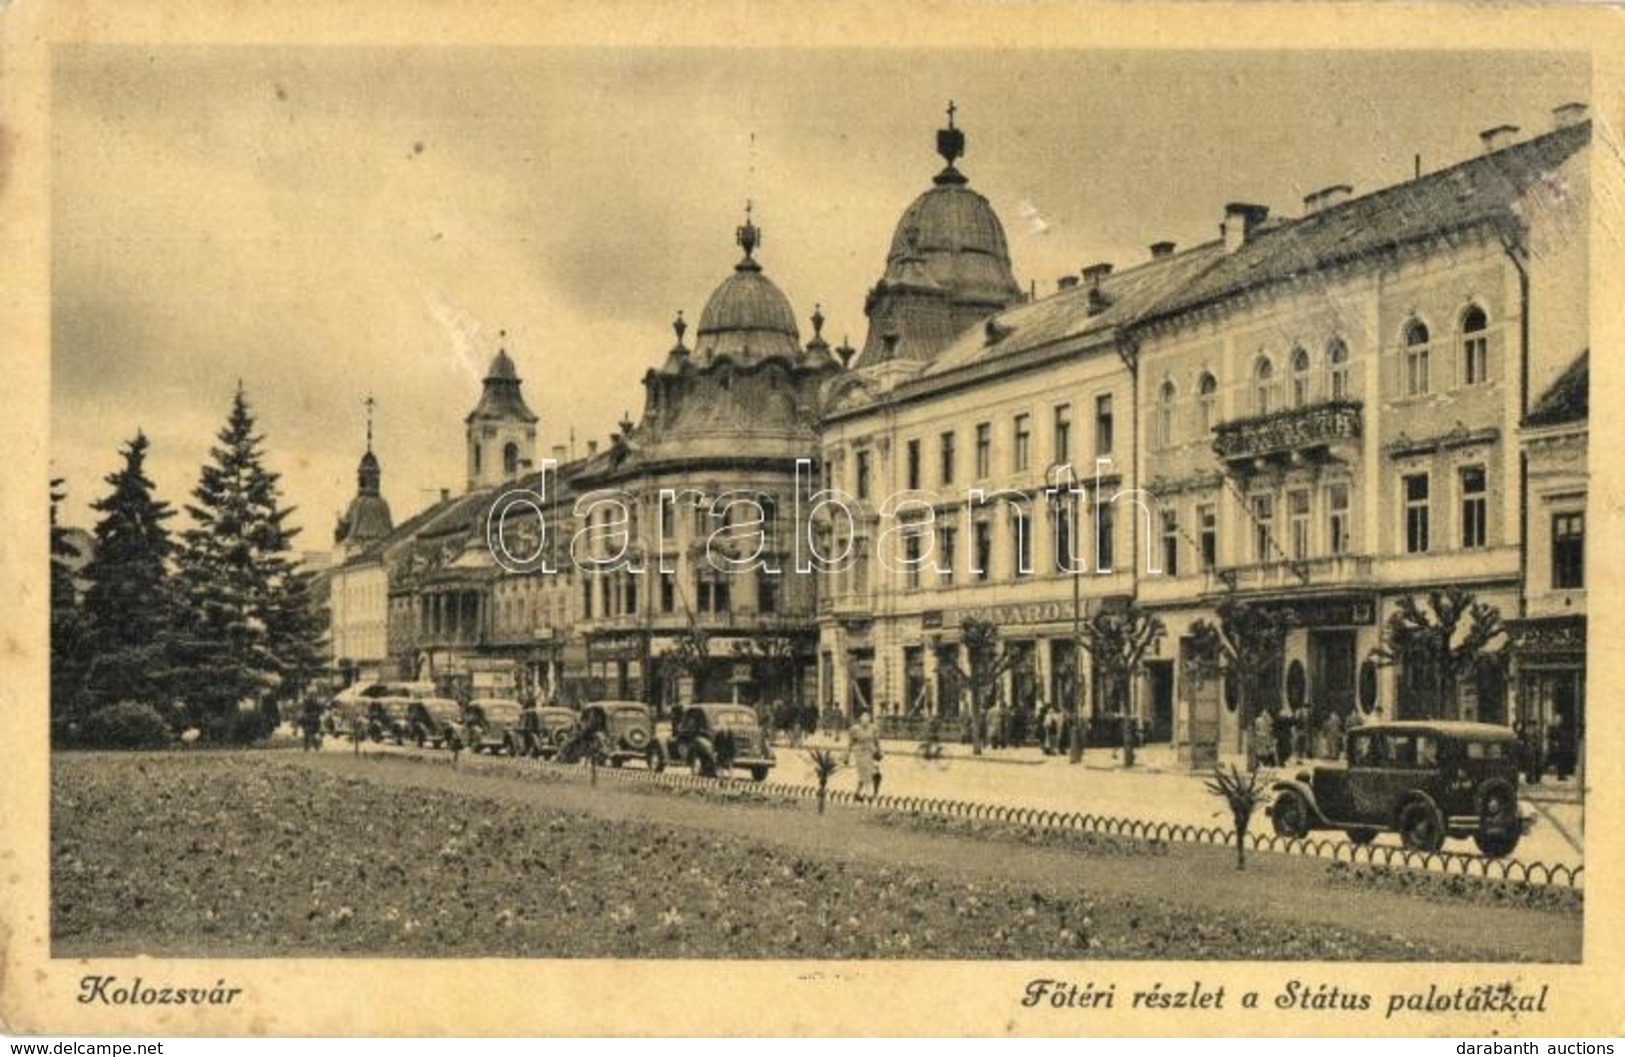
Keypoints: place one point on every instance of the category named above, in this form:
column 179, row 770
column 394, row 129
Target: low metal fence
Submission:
column 1534, row 872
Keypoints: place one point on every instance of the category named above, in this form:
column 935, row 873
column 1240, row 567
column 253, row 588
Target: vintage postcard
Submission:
column 632, row 519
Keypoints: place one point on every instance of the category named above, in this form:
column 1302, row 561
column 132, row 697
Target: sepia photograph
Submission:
column 802, row 507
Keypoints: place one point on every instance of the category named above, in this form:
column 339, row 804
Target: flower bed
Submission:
column 1456, row 887
column 255, row 855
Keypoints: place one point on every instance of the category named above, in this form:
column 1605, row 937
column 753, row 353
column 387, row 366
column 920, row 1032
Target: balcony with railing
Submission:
column 1335, row 570
column 1317, row 432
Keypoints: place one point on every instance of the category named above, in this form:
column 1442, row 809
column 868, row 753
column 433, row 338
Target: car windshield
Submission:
column 734, row 719
column 1486, row 750
column 629, row 715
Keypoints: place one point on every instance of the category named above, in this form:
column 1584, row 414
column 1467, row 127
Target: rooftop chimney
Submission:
column 1067, row 282
column 1093, row 276
column 592, row 448
column 558, row 453
column 1498, row 137
column 1241, row 219
column 1569, row 114
column 1326, row 197
column 445, row 495
column 1159, row 250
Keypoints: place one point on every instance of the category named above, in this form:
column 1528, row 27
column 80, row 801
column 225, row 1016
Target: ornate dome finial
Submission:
column 749, row 236
column 818, row 321
column 680, row 327
column 626, row 423
column 951, row 145
column 845, row 351
column 370, row 404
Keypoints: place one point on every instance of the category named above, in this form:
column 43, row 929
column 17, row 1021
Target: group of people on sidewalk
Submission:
column 1294, row 735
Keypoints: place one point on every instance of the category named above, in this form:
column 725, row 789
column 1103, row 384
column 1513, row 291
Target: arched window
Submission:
column 1207, row 399
column 510, row 458
column 1165, row 414
column 1263, row 385
column 1337, row 369
column 1416, row 358
column 1300, row 377
column 1475, row 346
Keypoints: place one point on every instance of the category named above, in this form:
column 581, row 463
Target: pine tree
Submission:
column 250, row 635
column 68, row 632
column 127, row 606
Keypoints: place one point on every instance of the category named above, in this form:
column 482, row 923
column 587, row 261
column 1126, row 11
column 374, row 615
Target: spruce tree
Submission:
column 68, row 633
column 127, row 605
column 245, row 639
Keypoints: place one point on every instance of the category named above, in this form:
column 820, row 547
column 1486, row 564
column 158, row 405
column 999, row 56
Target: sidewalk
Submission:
column 1157, row 758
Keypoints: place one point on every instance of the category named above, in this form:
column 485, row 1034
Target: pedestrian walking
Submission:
column 1264, row 740
column 310, row 722
column 863, row 755
column 1052, row 730
column 1334, row 735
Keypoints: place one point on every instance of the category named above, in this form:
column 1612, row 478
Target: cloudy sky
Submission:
column 322, row 223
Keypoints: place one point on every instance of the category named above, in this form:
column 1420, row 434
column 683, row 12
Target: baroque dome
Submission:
column 948, row 268
column 747, row 318
column 955, row 232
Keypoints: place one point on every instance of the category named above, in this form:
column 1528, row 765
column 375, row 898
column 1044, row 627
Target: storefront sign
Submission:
column 1327, row 612
column 1019, row 613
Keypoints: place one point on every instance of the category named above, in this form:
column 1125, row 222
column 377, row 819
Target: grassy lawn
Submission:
column 282, row 854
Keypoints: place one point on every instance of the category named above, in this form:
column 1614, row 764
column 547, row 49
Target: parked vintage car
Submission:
column 388, row 718
column 434, row 720
column 613, row 732
column 376, row 710
column 1424, row 780
column 557, row 727
column 493, row 724
column 712, row 738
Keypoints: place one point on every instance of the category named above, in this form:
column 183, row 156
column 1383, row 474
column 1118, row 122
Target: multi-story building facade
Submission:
column 1549, row 634
column 688, row 588
column 1319, row 415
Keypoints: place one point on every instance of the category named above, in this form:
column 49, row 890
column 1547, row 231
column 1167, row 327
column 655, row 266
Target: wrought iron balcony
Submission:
column 1340, row 570
column 1308, row 433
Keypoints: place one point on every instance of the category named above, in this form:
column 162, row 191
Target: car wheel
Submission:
column 1498, row 829
column 1361, row 836
column 1290, row 814
column 1420, row 827
column 759, row 772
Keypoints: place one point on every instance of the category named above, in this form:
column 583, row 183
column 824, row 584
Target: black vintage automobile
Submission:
column 436, row 721
column 614, row 732
column 1424, row 780
column 492, row 723
column 713, row 738
column 556, row 727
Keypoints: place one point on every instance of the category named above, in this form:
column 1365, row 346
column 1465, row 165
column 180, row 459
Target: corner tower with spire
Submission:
column 948, row 268
column 501, row 429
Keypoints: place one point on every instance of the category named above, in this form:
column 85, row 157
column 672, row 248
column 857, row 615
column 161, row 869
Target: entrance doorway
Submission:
column 1332, row 674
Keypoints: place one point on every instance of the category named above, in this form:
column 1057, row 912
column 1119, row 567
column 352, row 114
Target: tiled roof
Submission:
column 1481, row 189
column 1568, row 399
column 1475, row 191
column 1127, row 295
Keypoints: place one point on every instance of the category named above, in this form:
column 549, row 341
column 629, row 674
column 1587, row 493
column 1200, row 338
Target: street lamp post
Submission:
column 1075, row 746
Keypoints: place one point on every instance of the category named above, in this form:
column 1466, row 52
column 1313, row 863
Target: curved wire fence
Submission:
column 1534, row 872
